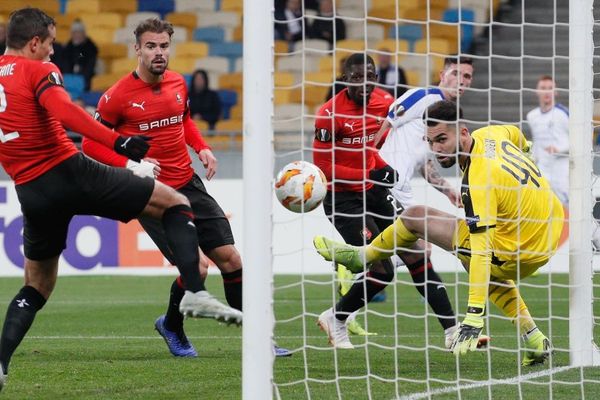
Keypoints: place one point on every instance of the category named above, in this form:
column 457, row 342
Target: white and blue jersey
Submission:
column 551, row 128
column 405, row 148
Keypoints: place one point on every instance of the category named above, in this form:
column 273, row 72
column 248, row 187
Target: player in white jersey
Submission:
column 549, row 125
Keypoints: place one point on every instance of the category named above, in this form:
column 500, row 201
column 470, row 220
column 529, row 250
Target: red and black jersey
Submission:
column 344, row 145
column 160, row 111
column 32, row 141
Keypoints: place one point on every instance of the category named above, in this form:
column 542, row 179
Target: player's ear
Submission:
column 137, row 48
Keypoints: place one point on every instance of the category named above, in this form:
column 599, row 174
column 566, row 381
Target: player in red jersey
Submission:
column 153, row 101
column 54, row 181
column 358, row 201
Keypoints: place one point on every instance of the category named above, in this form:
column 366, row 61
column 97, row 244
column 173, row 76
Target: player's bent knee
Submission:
column 413, row 216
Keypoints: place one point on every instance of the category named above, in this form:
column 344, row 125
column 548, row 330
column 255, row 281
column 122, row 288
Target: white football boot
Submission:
column 336, row 330
column 203, row 305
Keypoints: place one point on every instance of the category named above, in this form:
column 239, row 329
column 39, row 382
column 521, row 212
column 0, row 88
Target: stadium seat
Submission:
column 186, row 19
column 91, row 98
column 64, row 21
column 195, row 5
column 236, row 112
column 411, row 33
column 122, row 7
column 183, row 65
column 83, row 6
column 238, row 33
column 317, row 46
column 228, row 99
column 124, row 36
column 226, row 49
column 231, row 81
column 356, row 30
column 467, row 17
column 319, row 77
column 435, row 45
column 102, row 82
column 50, row 7
column 180, row 34
column 213, row 64
column 74, row 84
column 123, row 65
column 225, row 19
column 8, row 6
column 201, row 125
column 393, row 46
column 101, row 35
column 102, row 20
column 350, row 44
column 282, row 79
column 289, row 111
column 210, row 34
column 313, row 95
column 191, row 49
column 133, row 19
column 63, row 34
column 111, row 51
column 162, row 7
column 413, row 77
column 232, row 5
column 422, row 14
column 231, row 125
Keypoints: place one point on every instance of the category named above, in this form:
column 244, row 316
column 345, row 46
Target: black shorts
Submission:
column 360, row 216
column 77, row 186
column 211, row 224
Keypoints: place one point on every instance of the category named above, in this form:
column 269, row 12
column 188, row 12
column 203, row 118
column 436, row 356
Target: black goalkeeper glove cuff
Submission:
column 387, row 175
column 133, row 147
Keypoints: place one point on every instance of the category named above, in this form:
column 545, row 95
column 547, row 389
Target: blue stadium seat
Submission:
column 210, row 34
column 75, row 85
column 188, row 80
column 226, row 49
column 467, row 16
column 162, row 7
column 412, row 33
column 228, row 99
column 91, row 98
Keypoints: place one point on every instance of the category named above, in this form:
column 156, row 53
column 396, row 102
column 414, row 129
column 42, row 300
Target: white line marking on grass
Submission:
column 507, row 381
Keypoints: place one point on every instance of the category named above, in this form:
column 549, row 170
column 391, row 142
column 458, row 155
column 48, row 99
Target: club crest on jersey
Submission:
column 178, row 97
column 54, row 78
column 366, row 234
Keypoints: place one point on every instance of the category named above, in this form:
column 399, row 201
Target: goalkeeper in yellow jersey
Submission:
column 512, row 226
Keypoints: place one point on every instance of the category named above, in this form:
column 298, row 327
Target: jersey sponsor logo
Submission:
column 322, row 135
column 471, row 221
column 359, row 139
column 159, row 123
column 328, row 112
column 54, row 78
column 350, row 126
column 138, row 105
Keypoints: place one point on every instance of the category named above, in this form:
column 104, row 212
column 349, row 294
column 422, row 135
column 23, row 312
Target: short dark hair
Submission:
column 545, row 78
column 358, row 59
column 448, row 61
column 444, row 111
column 25, row 24
column 154, row 25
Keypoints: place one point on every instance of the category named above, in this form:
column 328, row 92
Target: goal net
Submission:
column 513, row 44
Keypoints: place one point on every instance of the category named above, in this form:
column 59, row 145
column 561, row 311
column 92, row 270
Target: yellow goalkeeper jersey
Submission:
column 505, row 190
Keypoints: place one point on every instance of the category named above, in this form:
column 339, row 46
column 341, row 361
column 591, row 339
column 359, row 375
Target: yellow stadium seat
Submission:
column 229, row 125
column 435, row 45
column 238, row 33
column 237, row 111
column 102, row 82
column 101, row 35
column 50, row 7
column 201, row 125
column 83, row 6
column 183, row 65
column 283, row 96
column 109, row 20
column 448, row 32
column 191, row 49
column 232, row 5
column 393, row 46
column 319, row 77
column 186, row 19
column 313, row 95
column 63, row 34
column 326, row 64
column 123, row 65
column 283, row 79
column 281, row 47
column 231, row 81
column 122, row 7
column 413, row 77
column 422, row 14
column 111, row 51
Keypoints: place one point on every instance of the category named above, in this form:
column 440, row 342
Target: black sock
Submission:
column 173, row 318
column 433, row 291
column 19, row 317
column 353, row 300
column 183, row 242
column 232, row 283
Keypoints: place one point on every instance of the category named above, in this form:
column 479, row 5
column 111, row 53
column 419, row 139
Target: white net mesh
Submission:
column 512, row 44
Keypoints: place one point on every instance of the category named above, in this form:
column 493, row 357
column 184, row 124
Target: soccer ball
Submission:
column 300, row 186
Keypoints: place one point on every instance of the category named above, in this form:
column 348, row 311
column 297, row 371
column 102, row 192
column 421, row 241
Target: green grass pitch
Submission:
column 95, row 340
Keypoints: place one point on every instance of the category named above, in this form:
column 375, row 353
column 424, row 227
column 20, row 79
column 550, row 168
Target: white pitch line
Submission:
column 507, row 381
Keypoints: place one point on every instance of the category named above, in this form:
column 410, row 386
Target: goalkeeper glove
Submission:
column 387, row 175
column 133, row 147
column 142, row 169
column 466, row 336
column 528, row 151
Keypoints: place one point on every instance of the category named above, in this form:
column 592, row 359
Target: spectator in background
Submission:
column 79, row 55
column 2, row 37
column 325, row 27
column 204, row 102
column 289, row 22
column 392, row 77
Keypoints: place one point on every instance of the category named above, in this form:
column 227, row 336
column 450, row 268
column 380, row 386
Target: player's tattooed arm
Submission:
column 432, row 175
